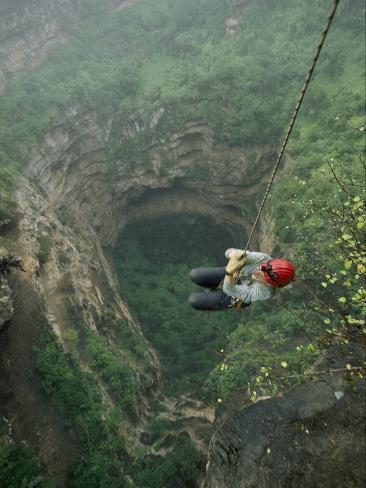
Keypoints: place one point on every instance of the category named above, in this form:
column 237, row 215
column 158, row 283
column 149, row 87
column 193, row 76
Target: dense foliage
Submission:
column 18, row 466
column 153, row 261
column 117, row 373
column 177, row 55
column 178, row 468
column 278, row 342
column 75, row 393
column 163, row 54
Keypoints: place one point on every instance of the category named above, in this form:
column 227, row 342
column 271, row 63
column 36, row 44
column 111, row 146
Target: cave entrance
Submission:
column 152, row 260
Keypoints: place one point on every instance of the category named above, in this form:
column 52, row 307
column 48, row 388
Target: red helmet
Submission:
column 278, row 272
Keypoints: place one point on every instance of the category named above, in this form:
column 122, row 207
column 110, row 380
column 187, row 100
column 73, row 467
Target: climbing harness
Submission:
column 295, row 113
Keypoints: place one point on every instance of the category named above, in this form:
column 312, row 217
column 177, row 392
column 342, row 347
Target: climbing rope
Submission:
column 295, row 113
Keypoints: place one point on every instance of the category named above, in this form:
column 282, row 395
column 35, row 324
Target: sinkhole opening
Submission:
column 152, row 259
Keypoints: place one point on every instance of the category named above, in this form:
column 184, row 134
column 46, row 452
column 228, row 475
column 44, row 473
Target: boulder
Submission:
column 312, row 436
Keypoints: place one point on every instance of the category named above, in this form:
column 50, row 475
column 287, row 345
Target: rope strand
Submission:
column 295, row 113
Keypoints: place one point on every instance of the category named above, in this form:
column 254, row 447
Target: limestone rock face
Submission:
column 313, row 436
column 64, row 266
column 6, row 303
column 67, row 283
column 186, row 172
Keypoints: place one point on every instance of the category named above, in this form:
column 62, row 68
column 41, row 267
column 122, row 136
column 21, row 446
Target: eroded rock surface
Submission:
column 186, row 172
column 312, row 437
column 6, row 303
column 65, row 273
column 8, row 262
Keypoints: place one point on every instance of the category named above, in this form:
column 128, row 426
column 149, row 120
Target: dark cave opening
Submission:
column 152, row 259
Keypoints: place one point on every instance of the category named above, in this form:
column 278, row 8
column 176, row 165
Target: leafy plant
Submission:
column 18, row 466
column 45, row 246
column 75, row 394
column 115, row 370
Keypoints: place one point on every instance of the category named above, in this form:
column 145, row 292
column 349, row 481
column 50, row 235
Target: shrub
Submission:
column 45, row 246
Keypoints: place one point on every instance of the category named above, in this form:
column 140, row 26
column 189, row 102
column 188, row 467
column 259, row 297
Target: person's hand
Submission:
column 228, row 253
column 236, row 262
column 236, row 275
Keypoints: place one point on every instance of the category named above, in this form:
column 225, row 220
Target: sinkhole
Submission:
column 152, row 259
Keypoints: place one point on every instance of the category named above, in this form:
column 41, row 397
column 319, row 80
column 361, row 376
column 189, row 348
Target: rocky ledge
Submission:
column 7, row 262
column 312, row 436
column 6, row 302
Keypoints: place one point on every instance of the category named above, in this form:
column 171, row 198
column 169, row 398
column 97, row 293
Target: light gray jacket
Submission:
column 248, row 288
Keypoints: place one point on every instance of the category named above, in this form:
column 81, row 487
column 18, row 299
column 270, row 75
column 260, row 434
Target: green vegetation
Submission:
column 8, row 177
column 153, row 263
column 117, row 357
column 178, row 468
column 177, row 56
column 156, row 54
column 97, row 427
column 276, row 342
column 18, row 466
column 75, row 393
column 326, row 235
column 158, row 428
column 117, row 373
column 45, row 246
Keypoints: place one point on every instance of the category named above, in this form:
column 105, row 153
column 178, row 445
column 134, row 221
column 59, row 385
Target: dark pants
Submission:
column 215, row 299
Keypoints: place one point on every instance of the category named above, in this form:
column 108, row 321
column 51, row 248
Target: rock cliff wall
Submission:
column 6, row 302
column 64, row 273
column 187, row 171
column 73, row 202
column 311, row 436
column 75, row 199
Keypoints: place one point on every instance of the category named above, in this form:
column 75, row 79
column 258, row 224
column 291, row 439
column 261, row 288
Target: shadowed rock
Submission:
column 312, row 437
column 6, row 303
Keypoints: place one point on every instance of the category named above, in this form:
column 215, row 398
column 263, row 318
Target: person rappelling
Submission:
column 251, row 276
column 248, row 277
